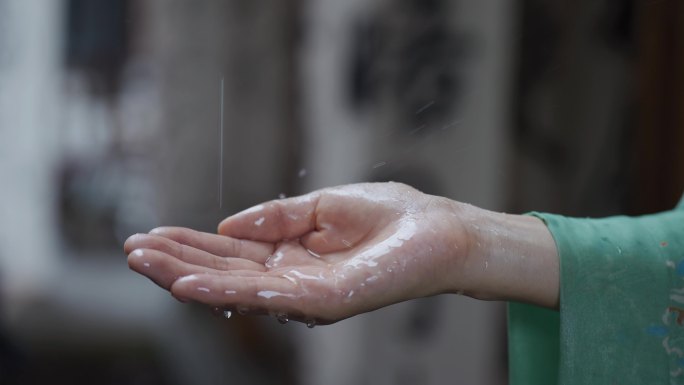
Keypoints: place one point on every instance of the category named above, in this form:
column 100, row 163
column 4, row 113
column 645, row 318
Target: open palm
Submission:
column 317, row 258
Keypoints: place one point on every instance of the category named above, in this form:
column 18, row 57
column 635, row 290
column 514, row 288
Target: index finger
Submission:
column 274, row 221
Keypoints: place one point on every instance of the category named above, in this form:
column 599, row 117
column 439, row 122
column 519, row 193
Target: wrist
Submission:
column 507, row 257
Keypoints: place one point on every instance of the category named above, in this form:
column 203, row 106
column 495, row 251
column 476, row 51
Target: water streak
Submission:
column 220, row 186
column 425, row 107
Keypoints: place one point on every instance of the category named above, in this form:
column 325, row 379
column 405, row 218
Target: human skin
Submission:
column 337, row 252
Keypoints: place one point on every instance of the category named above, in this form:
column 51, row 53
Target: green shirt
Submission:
column 621, row 318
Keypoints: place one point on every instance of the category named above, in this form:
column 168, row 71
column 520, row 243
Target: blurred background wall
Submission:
column 117, row 116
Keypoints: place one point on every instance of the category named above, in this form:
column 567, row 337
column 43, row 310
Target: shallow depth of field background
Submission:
column 110, row 124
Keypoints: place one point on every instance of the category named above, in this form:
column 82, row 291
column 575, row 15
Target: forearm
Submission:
column 510, row 257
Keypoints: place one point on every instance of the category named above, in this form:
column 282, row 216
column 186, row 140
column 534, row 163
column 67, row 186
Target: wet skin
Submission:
column 341, row 251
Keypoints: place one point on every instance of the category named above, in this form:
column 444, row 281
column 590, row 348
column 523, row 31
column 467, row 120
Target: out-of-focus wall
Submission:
column 177, row 112
column 100, row 148
column 29, row 106
column 243, row 50
column 575, row 107
column 412, row 92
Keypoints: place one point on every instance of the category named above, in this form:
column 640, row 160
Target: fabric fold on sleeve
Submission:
column 621, row 305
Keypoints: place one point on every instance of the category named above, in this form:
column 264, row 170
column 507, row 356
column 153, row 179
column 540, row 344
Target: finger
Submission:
column 160, row 267
column 164, row 269
column 274, row 221
column 220, row 245
column 257, row 293
column 189, row 254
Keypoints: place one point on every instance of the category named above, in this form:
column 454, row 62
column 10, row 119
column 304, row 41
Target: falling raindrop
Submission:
column 282, row 318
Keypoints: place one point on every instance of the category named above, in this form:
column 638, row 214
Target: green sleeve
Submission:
column 621, row 306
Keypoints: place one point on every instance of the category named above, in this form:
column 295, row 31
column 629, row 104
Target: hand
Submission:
column 338, row 252
column 317, row 258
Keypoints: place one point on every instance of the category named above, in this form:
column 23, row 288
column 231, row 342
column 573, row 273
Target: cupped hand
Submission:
column 317, row 258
